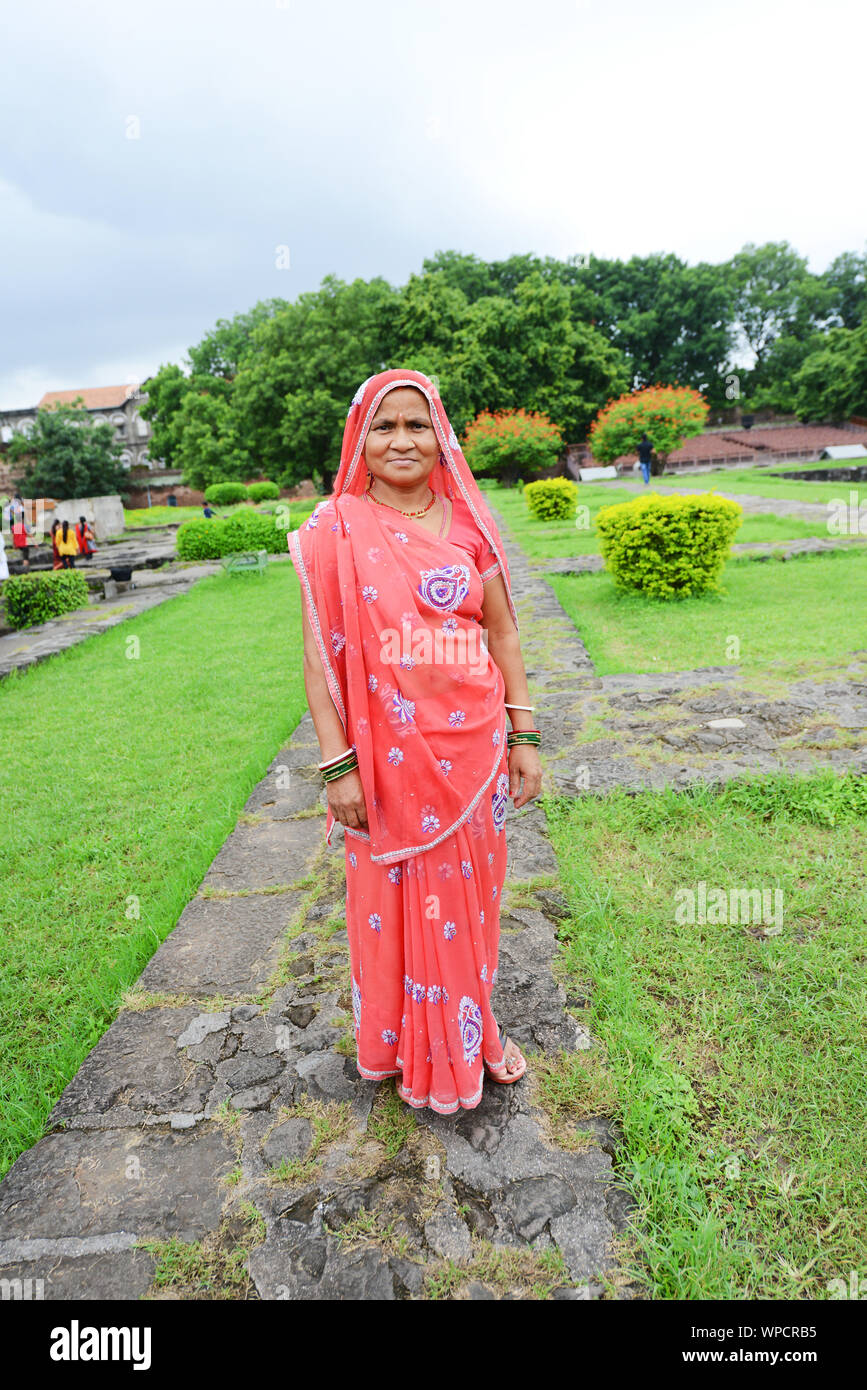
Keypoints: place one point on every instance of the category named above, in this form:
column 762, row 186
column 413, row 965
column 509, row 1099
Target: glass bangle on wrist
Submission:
column 339, row 765
column 516, row 737
column 347, row 764
column 326, row 762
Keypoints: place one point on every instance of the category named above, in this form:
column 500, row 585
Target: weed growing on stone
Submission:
column 215, row 1267
column 525, row 1273
column 330, row 1121
column 391, row 1122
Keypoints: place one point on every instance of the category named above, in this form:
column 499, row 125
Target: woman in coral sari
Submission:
column 402, row 569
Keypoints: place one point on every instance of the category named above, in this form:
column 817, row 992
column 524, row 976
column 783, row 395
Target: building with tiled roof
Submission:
column 94, row 397
column 115, row 405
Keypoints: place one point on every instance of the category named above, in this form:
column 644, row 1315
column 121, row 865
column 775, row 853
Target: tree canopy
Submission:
column 66, row 454
column 268, row 390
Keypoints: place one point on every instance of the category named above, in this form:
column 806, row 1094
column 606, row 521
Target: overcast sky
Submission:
column 154, row 157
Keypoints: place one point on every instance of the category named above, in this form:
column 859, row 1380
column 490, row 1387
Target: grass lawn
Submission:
column 808, row 613
column 550, row 540
column 123, row 779
column 165, row 516
column 737, row 1056
column 760, row 482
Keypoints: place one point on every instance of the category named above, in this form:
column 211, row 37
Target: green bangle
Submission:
column 345, row 765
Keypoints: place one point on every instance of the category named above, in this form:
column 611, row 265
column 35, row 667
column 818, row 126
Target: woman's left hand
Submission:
column 524, row 762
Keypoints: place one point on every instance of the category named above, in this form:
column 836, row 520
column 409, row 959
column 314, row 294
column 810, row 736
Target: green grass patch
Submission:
column 126, row 773
column 736, row 1051
column 794, row 617
column 760, row 482
column 166, row 516
column 558, row 540
column 550, row 540
column 766, row 527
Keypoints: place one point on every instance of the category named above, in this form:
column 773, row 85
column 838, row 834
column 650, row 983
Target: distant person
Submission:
column 4, row 563
column 67, row 545
column 85, row 537
column 208, row 510
column 20, row 530
column 58, row 563
column 645, row 453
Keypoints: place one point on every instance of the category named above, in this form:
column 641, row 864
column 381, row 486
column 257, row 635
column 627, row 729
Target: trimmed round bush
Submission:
column 668, row 547
column 246, row 529
column 224, row 494
column 263, row 492
column 200, row 539
column 34, row 598
column 552, row 499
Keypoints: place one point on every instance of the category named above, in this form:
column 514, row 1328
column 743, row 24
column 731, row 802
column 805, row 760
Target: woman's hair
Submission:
column 65, row 530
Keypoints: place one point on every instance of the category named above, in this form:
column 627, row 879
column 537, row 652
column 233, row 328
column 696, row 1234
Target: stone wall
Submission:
column 159, row 493
column 8, row 471
column 105, row 514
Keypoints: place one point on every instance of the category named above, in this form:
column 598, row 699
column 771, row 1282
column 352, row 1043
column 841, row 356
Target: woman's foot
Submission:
column 516, row 1063
column 515, row 1059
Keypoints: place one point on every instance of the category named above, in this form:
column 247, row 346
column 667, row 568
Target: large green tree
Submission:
column 210, row 449
column 67, row 455
column 220, row 352
column 319, row 349
column 846, row 280
column 525, row 349
column 167, row 391
column 832, row 381
column 671, row 320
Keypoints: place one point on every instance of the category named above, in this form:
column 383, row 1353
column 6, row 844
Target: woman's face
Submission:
column 401, row 445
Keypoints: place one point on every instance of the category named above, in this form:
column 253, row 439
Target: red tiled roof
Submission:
column 747, row 446
column 782, row 437
column 94, row 397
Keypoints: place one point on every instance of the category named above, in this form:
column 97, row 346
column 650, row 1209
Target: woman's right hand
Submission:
column 346, row 798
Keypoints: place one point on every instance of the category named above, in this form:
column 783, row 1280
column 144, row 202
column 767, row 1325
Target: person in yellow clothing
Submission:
column 67, row 545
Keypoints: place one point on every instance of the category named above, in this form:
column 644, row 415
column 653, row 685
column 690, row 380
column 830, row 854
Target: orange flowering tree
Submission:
column 510, row 444
column 669, row 415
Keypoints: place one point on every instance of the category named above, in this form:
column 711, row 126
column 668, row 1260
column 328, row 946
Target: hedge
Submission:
column 224, row 494
column 551, row 499
column 263, row 492
column 668, row 547
column 34, row 598
column 206, row 538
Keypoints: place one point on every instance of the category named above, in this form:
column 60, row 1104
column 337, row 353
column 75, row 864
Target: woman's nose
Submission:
column 402, row 434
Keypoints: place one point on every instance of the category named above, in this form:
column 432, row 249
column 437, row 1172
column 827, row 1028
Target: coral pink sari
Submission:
column 396, row 614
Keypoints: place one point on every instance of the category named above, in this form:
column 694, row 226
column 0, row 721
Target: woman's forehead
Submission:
column 404, row 399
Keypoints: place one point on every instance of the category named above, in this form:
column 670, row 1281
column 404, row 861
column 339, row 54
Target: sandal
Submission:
column 510, row 1076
